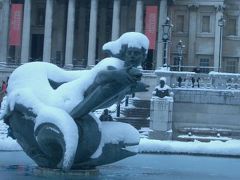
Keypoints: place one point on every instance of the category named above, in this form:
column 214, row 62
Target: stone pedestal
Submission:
column 161, row 118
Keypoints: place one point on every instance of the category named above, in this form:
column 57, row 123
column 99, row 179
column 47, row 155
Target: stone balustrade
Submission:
column 213, row 105
column 213, row 80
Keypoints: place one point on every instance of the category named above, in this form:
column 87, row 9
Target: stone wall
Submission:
column 207, row 96
column 219, row 109
column 214, row 81
column 212, row 108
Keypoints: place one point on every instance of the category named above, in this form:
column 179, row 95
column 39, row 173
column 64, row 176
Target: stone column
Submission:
column 139, row 16
column 81, row 34
column 161, row 118
column 192, row 35
column 116, row 19
column 92, row 33
column 102, row 30
column 70, row 34
column 26, row 32
column 161, row 20
column 48, row 32
column 217, row 48
column 4, row 22
column 238, row 29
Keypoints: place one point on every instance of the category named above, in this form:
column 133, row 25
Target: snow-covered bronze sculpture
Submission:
column 50, row 110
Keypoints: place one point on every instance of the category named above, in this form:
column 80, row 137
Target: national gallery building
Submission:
column 71, row 33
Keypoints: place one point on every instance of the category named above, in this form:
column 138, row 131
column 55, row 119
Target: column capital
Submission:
column 193, row 7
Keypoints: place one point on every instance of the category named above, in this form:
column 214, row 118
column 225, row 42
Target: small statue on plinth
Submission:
column 161, row 112
column 162, row 89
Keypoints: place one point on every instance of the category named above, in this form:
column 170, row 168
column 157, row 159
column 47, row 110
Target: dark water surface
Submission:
column 16, row 165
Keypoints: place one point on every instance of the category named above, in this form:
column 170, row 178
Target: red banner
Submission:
column 15, row 29
column 151, row 25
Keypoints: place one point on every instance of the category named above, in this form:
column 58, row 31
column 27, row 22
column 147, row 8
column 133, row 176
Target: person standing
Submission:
column 4, row 87
column 3, row 90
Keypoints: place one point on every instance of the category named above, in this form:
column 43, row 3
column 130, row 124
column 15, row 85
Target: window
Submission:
column 204, row 62
column 40, row 18
column 232, row 26
column 230, row 65
column 180, row 23
column 206, row 24
column 175, row 64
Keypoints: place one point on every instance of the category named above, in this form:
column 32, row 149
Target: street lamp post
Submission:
column 165, row 37
column 180, row 47
column 221, row 23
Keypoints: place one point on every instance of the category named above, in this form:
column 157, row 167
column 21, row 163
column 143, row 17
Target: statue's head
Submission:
column 132, row 56
column 162, row 82
column 105, row 111
column 131, row 47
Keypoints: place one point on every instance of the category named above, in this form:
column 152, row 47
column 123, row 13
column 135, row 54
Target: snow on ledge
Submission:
column 231, row 147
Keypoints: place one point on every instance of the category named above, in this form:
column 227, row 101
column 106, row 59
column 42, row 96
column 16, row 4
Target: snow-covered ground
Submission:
column 228, row 148
column 7, row 143
column 231, row 147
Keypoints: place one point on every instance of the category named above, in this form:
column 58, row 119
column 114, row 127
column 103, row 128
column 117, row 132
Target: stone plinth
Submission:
column 161, row 118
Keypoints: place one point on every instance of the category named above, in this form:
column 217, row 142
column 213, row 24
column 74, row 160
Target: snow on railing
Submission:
column 212, row 80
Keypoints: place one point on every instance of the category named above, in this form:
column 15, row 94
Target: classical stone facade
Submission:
column 70, row 33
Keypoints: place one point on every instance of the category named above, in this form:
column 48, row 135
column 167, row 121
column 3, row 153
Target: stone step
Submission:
column 136, row 112
column 209, row 131
column 141, row 103
column 201, row 138
column 205, row 134
column 138, row 123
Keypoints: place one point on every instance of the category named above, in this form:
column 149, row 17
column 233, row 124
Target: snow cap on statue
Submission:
column 163, row 79
column 131, row 39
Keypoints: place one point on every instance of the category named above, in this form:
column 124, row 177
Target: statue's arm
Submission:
column 140, row 87
column 123, row 76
